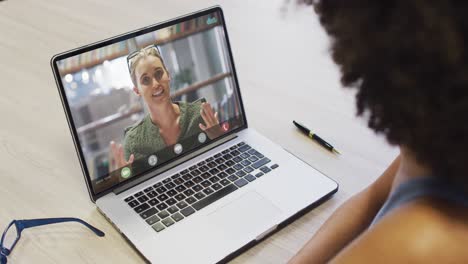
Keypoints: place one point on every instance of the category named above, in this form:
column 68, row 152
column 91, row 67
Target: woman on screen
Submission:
column 167, row 122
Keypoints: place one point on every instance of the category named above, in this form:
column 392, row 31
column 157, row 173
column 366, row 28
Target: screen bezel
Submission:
column 132, row 34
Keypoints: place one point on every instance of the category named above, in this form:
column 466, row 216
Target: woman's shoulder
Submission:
column 442, row 220
column 131, row 133
column 138, row 125
column 426, row 229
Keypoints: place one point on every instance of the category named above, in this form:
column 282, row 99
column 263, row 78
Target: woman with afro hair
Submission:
column 408, row 61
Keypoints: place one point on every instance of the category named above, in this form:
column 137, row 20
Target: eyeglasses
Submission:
column 11, row 235
column 132, row 55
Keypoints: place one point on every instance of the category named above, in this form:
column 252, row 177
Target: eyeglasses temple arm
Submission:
column 27, row 223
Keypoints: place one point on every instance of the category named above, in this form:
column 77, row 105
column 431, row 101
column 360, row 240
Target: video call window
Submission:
column 146, row 100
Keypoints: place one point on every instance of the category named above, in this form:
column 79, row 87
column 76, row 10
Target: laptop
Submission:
column 161, row 133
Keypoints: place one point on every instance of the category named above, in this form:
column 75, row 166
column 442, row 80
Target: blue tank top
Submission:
column 437, row 187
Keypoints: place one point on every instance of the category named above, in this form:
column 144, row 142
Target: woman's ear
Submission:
column 135, row 89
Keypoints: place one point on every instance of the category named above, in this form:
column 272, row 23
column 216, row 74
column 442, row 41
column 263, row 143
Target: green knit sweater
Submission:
column 143, row 138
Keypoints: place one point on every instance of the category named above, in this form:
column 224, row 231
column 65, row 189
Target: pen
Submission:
column 315, row 137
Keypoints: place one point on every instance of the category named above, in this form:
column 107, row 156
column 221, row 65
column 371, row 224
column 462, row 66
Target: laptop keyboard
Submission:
column 179, row 196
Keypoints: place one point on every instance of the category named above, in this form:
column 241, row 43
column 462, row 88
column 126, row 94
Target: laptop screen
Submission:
column 147, row 98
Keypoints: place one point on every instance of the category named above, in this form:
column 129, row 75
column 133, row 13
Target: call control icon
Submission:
column 178, row 148
column 152, row 160
column 202, row 137
column 125, row 173
column 225, row 126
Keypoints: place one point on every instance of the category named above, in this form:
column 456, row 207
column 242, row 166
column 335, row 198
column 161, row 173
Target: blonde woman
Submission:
column 167, row 121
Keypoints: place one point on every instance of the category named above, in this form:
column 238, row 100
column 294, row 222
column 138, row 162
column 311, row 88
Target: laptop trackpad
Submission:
column 244, row 215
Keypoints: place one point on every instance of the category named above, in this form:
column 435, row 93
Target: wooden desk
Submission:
column 281, row 59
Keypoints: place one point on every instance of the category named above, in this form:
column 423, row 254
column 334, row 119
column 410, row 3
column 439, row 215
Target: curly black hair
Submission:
column 409, row 63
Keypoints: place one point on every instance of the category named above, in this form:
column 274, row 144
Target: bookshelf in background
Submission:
column 116, row 50
column 92, row 58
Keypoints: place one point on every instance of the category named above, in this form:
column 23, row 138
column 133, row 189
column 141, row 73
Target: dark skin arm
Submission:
column 358, row 211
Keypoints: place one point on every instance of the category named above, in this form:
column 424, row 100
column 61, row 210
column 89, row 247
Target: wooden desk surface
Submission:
column 283, row 66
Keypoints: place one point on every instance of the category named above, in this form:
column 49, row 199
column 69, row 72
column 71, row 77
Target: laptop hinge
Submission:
column 173, row 164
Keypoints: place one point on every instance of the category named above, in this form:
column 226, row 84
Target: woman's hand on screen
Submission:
column 211, row 126
column 116, row 157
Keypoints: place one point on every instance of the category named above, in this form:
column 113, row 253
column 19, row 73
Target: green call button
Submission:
column 125, row 172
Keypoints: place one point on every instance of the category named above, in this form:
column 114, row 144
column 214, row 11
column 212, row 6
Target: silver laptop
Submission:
column 161, row 133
